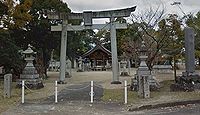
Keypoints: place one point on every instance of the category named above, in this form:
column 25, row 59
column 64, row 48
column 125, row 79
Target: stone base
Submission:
column 124, row 74
column 186, row 83
column 31, row 84
column 61, row 82
column 79, row 70
column 67, row 75
column 116, row 82
column 154, row 86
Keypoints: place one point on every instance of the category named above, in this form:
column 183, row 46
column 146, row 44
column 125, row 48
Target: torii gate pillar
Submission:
column 114, row 52
column 63, row 51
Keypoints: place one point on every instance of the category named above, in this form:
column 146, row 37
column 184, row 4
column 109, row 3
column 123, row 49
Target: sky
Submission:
column 186, row 6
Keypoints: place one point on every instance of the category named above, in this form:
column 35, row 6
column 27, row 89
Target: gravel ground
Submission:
column 73, row 97
column 68, row 108
column 79, row 92
column 76, row 101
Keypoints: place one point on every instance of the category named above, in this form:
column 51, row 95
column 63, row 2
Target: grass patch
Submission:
column 6, row 103
column 117, row 95
column 165, row 85
column 112, row 95
column 164, row 95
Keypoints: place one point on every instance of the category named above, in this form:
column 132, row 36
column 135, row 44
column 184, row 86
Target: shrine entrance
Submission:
column 87, row 18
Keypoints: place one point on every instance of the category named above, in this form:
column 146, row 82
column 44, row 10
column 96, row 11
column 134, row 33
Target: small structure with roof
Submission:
column 98, row 57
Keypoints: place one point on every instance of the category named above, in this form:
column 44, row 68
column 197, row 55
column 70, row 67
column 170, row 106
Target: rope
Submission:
column 99, row 86
column 78, row 88
column 30, row 89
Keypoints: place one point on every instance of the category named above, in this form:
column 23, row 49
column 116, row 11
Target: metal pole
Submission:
column 23, row 91
column 56, row 92
column 125, row 93
column 92, row 92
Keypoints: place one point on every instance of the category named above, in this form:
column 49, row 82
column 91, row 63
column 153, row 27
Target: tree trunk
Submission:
column 199, row 62
column 174, row 68
column 41, row 61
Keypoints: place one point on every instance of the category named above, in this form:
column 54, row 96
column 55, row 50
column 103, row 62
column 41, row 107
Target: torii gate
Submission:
column 87, row 17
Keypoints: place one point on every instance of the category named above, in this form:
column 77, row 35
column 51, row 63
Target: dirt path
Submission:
column 71, row 102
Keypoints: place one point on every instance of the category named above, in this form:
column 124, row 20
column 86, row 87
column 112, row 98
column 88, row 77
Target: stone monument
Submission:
column 75, row 64
column 143, row 80
column 108, row 66
column 68, row 68
column 123, row 64
column 29, row 74
column 80, row 64
column 190, row 80
column 7, row 85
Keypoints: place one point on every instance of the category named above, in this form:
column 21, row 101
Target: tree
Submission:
column 131, row 42
column 15, row 16
column 171, row 28
column 147, row 24
column 79, row 43
column 37, row 31
column 3, row 9
column 12, row 16
column 10, row 57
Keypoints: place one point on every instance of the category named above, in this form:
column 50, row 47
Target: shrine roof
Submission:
column 97, row 47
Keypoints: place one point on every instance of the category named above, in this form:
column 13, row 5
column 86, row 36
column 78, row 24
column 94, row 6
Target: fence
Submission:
column 91, row 93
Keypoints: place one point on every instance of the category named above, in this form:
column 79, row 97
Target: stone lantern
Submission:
column 29, row 74
column 143, row 73
column 143, row 80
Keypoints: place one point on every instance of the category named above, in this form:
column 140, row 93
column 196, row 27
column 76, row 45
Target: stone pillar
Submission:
column 80, row 64
column 114, row 52
column 124, row 69
column 7, row 85
column 56, row 66
column 146, row 89
column 189, row 51
column 63, row 50
column 140, row 86
column 119, row 68
column 75, row 64
column 69, row 68
column 107, row 65
column 83, row 66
